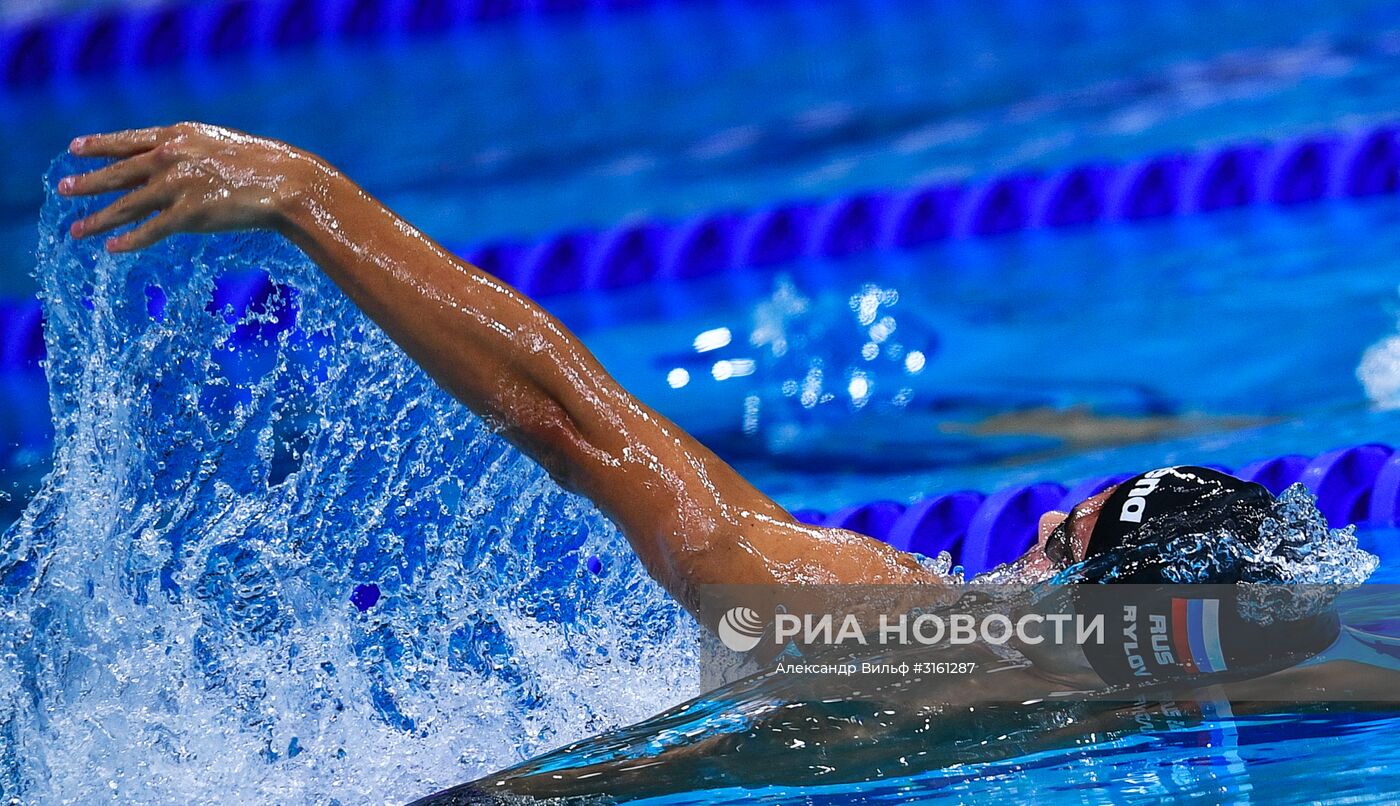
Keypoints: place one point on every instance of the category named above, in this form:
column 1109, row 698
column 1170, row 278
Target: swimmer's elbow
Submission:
column 543, row 431
column 715, row 556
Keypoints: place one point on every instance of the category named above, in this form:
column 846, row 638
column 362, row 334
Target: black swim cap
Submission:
column 1158, row 631
column 1185, row 499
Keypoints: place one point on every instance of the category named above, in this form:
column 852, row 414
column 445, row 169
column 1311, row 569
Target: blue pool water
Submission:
column 178, row 593
column 1249, row 330
column 587, row 120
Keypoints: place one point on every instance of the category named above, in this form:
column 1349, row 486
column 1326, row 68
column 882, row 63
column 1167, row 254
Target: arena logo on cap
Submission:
column 1136, row 504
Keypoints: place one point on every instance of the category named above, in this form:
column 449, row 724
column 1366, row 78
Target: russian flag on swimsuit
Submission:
column 1196, row 634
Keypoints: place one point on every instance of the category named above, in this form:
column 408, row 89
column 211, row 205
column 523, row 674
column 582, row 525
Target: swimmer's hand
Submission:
column 194, row 177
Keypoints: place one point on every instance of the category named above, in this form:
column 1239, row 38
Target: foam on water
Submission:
column 1379, row 372
column 1286, row 544
column 175, row 614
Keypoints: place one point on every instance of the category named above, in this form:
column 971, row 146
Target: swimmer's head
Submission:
column 1170, row 526
column 1151, row 508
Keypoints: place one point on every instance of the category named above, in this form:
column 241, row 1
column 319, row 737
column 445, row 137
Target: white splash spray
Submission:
column 1379, row 372
column 175, row 615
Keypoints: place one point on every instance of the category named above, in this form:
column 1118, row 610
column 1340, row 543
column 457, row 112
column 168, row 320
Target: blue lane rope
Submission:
column 1308, row 169
column 39, row 52
column 1356, row 484
column 1286, row 174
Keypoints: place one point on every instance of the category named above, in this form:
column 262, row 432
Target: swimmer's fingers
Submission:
column 119, row 144
column 123, row 175
column 162, row 226
column 132, row 207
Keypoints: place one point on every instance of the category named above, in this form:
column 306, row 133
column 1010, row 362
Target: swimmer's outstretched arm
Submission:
column 689, row 516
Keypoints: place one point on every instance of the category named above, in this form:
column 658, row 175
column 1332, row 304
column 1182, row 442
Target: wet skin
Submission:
column 689, row 516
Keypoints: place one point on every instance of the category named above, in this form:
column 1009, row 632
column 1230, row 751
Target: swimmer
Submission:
column 689, row 516
column 692, row 520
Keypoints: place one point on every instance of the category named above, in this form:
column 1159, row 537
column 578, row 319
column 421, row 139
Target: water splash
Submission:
column 1289, row 562
column 176, row 620
column 1288, row 544
column 1379, row 372
column 829, row 366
